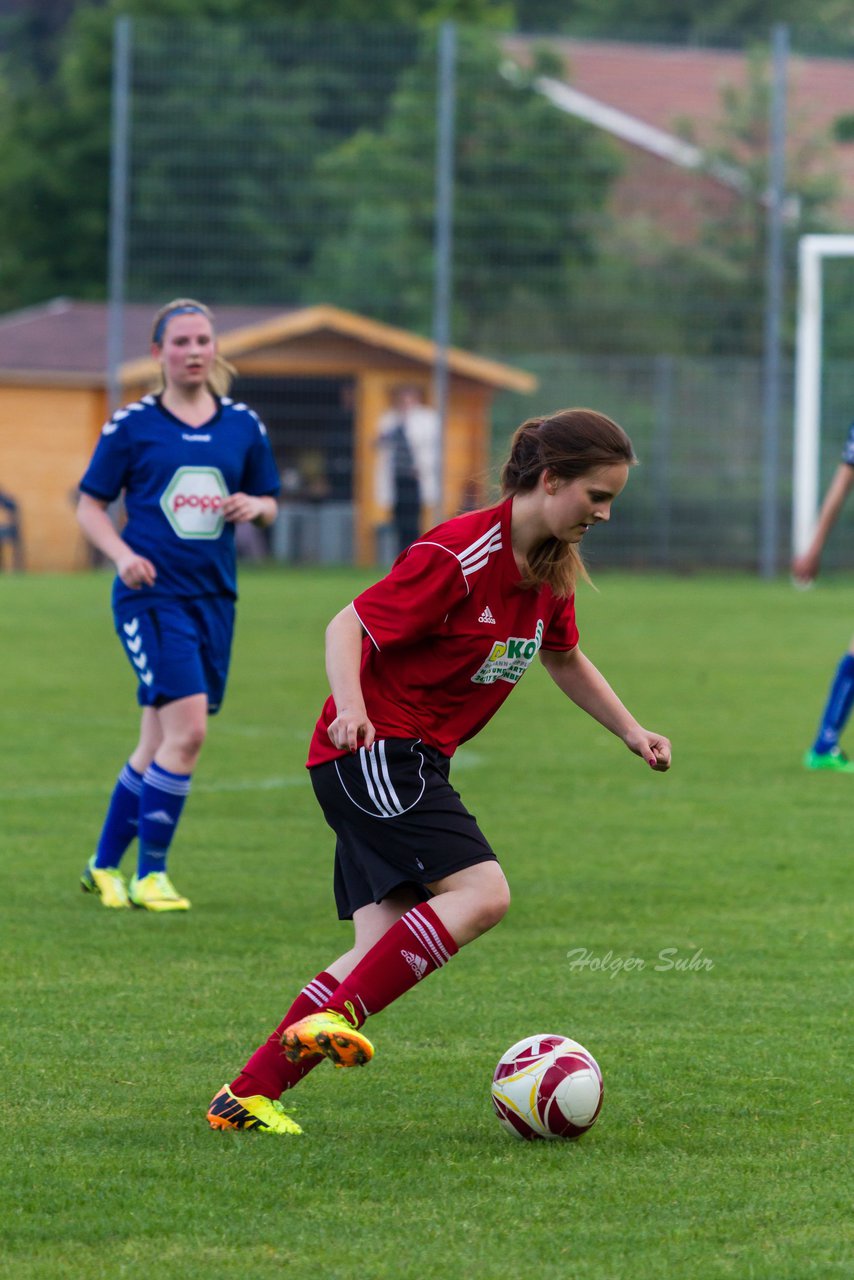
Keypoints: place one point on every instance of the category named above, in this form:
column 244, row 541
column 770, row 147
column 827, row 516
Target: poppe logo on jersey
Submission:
column 509, row 659
column 192, row 502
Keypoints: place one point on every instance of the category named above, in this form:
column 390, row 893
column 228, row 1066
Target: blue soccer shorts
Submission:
column 179, row 648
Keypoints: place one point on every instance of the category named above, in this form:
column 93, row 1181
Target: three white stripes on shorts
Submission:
column 378, row 781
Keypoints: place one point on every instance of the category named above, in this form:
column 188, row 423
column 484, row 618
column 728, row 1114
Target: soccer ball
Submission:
column 547, row 1087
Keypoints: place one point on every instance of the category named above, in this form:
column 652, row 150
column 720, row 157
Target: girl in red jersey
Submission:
column 418, row 664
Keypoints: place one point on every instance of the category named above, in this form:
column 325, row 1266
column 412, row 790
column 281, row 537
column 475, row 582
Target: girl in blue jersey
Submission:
column 191, row 465
column 825, row 752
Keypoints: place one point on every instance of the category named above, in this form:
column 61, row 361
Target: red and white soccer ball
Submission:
column 547, row 1087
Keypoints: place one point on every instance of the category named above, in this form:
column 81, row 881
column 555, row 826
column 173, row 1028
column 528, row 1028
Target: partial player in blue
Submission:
column 191, row 464
column 825, row 752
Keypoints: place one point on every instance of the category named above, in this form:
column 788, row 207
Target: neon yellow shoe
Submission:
column 264, row 1115
column 834, row 760
column 156, row 892
column 330, row 1034
column 107, row 882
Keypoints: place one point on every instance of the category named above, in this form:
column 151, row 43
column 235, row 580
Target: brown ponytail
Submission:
column 568, row 444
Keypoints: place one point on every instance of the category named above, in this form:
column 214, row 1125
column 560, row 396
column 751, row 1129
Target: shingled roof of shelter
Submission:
column 64, row 336
column 665, row 85
column 64, row 341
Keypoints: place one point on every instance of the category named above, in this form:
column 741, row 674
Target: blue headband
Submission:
column 190, row 309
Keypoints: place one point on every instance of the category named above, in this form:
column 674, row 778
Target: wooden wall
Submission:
column 46, row 439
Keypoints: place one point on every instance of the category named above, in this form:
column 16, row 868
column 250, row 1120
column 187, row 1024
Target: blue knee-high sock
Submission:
column 122, row 820
column 163, row 796
column 838, row 708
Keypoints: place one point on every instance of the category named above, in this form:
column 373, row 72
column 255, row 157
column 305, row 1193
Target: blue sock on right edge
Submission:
column 838, row 708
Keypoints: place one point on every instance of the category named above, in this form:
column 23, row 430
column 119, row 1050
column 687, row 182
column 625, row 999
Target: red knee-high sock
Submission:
column 417, row 944
column 268, row 1071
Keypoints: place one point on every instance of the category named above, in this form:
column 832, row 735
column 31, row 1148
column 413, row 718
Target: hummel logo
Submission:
column 160, row 815
column 486, row 616
column 131, row 628
column 417, row 964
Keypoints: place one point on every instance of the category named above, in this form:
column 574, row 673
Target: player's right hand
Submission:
column 348, row 728
column 135, row 571
column 805, row 568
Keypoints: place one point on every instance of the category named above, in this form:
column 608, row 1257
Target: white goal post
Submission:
column 812, row 250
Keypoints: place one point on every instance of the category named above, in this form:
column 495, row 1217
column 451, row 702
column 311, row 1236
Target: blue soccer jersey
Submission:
column 175, row 478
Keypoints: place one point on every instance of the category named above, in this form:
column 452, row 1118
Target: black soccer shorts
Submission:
column 398, row 821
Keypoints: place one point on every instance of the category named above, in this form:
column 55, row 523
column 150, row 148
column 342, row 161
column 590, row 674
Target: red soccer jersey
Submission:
column 450, row 631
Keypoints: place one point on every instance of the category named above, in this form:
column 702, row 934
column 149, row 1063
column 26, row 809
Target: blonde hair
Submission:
column 222, row 373
column 568, row 444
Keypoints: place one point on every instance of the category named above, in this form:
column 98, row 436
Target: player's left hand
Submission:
column 240, row 508
column 650, row 746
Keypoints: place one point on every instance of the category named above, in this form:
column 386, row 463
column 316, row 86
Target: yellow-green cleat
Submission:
column 107, row 882
column 330, row 1034
column 260, row 1114
column 156, row 892
column 835, row 761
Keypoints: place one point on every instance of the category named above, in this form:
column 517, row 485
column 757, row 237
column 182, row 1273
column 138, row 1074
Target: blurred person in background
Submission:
column 407, row 476
column 192, row 465
column 825, row 752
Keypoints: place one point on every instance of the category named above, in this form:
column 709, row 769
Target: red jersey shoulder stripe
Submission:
column 475, row 556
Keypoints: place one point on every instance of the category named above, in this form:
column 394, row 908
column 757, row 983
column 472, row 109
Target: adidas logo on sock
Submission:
column 417, row 964
column 160, row 815
column 486, row 616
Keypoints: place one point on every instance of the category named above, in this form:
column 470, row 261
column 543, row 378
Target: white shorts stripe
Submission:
column 379, row 802
column 374, row 766
column 383, row 766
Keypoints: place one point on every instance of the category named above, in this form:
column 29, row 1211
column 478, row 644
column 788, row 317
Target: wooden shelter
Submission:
column 320, row 377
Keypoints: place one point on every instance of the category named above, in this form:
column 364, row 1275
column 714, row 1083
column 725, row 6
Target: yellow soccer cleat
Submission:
column 330, row 1034
column 107, row 882
column 156, row 892
column 264, row 1115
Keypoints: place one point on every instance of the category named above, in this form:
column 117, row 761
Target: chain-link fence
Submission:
column 608, row 230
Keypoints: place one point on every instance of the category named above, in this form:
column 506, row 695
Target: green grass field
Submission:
column 724, row 1141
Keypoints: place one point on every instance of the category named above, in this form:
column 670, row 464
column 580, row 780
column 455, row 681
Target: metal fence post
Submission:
column 119, row 158
column 772, row 342
column 443, row 236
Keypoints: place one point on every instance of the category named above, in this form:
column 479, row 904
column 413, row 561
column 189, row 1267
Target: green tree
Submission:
column 55, row 85
column 529, row 184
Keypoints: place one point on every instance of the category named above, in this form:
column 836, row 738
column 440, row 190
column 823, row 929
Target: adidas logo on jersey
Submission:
column 417, row 964
column 486, row 616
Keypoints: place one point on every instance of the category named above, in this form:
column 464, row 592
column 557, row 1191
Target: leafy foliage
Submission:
column 528, row 184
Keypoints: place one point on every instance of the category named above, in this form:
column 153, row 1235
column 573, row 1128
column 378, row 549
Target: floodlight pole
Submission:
column 812, row 250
